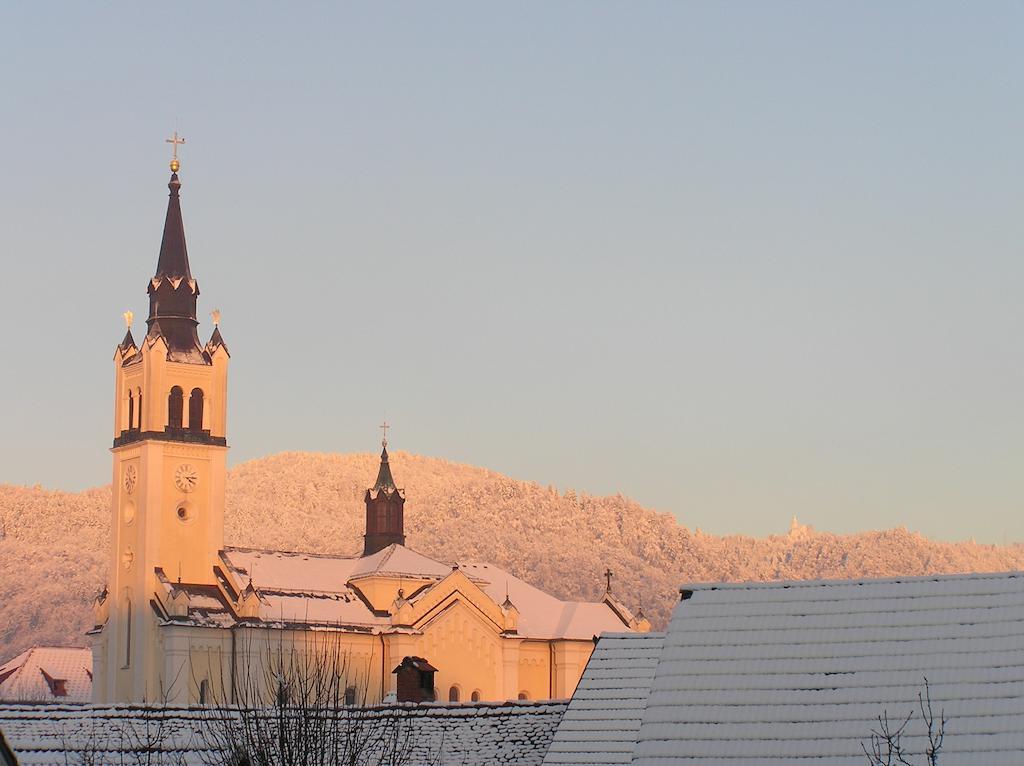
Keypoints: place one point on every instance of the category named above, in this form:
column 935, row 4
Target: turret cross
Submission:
column 384, row 427
column 608, row 576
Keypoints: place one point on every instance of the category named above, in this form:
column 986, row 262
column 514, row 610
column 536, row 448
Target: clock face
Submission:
column 131, row 478
column 186, row 477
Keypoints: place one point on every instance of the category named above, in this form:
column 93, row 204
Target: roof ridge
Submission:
column 783, row 584
column 242, row 549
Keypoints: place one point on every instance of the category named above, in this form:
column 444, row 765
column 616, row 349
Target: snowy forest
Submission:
column 54, row 545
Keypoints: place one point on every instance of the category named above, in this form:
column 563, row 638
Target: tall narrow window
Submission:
column 195, row 410
column 204, row 692
column 131, row 410
column 128, row 633
column 140, row 409
column 175, row 404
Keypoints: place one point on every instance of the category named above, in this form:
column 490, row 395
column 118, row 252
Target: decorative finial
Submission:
column 384, row 427
column 608, row 576
column 128, row 317
column 175, row 141
column 215, row 316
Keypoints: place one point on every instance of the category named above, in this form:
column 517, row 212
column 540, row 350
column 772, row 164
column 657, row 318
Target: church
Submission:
column 186, row 620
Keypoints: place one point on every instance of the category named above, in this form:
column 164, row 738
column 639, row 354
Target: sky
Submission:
column 739, row 261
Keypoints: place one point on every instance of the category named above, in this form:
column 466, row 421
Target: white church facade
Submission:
column 184, row 619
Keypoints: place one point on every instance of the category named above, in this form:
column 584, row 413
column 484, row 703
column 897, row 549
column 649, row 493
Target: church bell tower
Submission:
column 169, row 467
column 385, row 509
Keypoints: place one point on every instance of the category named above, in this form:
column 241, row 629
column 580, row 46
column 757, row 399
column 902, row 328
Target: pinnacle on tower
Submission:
column 172, row 290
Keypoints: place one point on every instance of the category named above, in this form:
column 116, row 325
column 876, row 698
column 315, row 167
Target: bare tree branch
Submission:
column 885, row 746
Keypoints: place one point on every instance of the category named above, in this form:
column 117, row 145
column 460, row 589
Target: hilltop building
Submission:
column 185, row 619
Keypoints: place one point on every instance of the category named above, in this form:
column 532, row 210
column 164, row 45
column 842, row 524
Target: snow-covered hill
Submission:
column 54, row 544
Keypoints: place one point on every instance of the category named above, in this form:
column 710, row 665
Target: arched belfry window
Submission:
column 175, row 404
column 140, row 409
column 195, row 410
column 131, row 410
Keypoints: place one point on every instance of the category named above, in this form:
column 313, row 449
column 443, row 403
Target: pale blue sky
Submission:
column 738, row 261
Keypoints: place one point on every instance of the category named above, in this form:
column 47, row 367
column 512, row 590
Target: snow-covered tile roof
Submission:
column 475, row 734
column 309, row 587
column 288, row 570
column 339, row 609
column 799, row 672
column 399, row 560
column 601, row 723
column 542, row 615
column 48, row 674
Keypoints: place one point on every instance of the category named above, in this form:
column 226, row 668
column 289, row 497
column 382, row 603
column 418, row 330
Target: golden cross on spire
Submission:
column 384, row 427
column 175, row 141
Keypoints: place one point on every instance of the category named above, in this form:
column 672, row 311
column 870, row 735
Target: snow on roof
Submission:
column 206, row 605
column 541, row 615
column 334, row 609
column 477, row 734
column 399, row 560
column 48, row 674
column 603, row 719
column 800, row 671
column 312, row 588
column 286, row 570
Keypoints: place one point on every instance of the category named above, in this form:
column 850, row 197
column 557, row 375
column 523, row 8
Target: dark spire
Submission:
column 173, row 260
column 385, row 480
column 385, row 510
column 172, row 290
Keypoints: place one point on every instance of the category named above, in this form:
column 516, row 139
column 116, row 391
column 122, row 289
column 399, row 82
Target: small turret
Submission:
column 216, row 340
column 385, row 510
